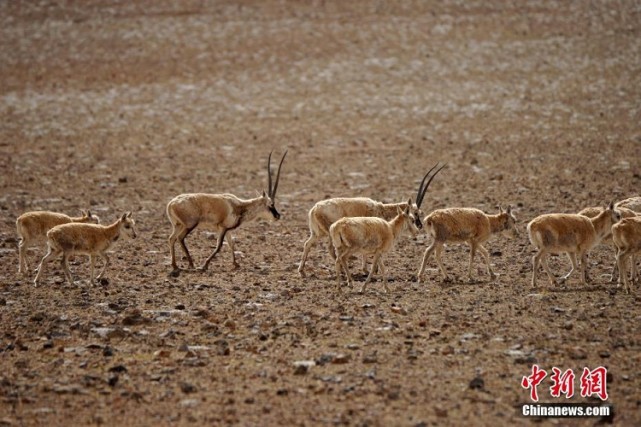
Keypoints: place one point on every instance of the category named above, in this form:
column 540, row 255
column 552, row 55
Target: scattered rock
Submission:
column 440, row 412
column 222, row 348
column 477, row 383
column 189, row 403
column 187, row 388
column 118, row 369
column 577, row 353
column 370, row 358
column 134, row 317
column 301, row 367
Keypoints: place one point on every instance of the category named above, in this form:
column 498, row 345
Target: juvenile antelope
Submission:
column 368, row 236
column 573, row 234
column 93, row 240
column 607, row 240
column 326, row 212
column 220, row 212
column 633, row 203
column 627, row 237
column 469, row 225
column 32, row 230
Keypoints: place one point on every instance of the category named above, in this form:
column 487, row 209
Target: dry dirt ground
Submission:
column 119, row 105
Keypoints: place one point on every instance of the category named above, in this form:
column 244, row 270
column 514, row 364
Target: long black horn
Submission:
column 278, row 175
column 269, row 175
column 420, row 187
column 424, row 190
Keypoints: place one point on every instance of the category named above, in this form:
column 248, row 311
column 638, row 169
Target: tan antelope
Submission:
column 633, row 203
column 32, row 230
column 324, row 213
column 573, row 234
column 368, row 236
column 469, row 225
column 607, row 240
column 93, row 240
column 220, row 212
column 626, row 235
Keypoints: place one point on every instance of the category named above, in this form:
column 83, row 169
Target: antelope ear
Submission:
column 409, row 202
column 129, row 214
column 88, row 213
column 611, row 205
column 500, row 209
column 264, row 194
column 407, row 210
column 509, row 209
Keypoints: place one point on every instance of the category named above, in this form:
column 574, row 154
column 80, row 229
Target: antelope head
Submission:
column 420, row 195
column 508, row 221
column 270, row 196
column 409, row 219
column 128, row 225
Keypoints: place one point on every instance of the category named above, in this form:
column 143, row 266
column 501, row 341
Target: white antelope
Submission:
column 573, row 234
column 368, row 236
column 326, row 212
column 32, row 230
column 607, row 240
column 473, row 226
column 627, row 237
column 93, row 240
column 220, row 212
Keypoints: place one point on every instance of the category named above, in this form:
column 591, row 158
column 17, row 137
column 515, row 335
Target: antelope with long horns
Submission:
column 326, row 212
column 221, row 212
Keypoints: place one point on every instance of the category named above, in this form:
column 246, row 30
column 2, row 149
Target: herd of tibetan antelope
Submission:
column 354, row 226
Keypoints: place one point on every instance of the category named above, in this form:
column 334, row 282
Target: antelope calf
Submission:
column 607, row 240
column 473, row 226
column 220, row 212
column 326, row 212
column 368, row 236
column 32, row 230
column 85, row 239
column 627, row 237
column 573, row 234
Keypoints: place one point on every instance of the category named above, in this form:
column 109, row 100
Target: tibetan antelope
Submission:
column 626, row 235
column 85, row 239
column 607, row 240
column 469, row 225
column 220, row 212
column 32, row 230
column 573, row 234
column 633, row 203
column 368, row 236
column 324, row 213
